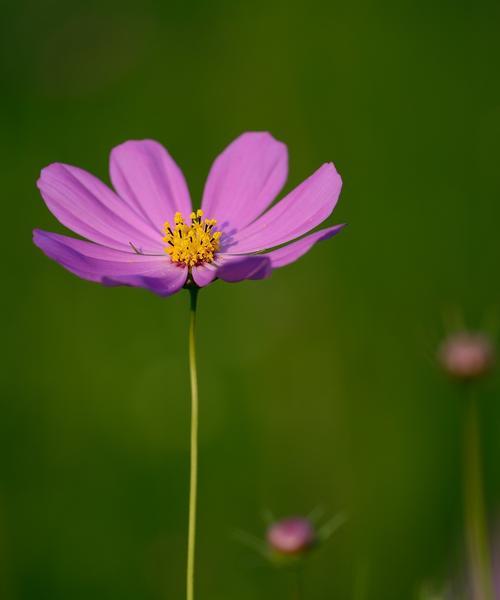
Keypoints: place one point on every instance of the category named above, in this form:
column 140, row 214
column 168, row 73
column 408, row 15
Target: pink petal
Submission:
column 301, row 210
column 84, row 204
column 204, row 274
column 291, row 252
column 244, row 180
column 238, row 268
column 148, row 179
column 161, row 285
column 109, row 266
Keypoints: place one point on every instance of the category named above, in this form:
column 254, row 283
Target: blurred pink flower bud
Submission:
column 467, row 355
column 291, row 536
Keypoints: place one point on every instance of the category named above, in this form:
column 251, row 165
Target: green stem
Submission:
column 361, row 581
column 193, row 479
column 475, row 519
column 299, row 583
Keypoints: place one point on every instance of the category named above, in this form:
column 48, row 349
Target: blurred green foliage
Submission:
column 318, row 386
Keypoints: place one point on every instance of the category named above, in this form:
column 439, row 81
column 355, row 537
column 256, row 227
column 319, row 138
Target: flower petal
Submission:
column 204, row 274
column 291, row 252
column 109, row 266
column 237, row 268
column 301, row 210
column 161, row 285
column 148, row 179
column 84, row 204
column 244, row 180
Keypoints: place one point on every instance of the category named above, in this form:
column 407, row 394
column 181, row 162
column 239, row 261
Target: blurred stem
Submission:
column 361, row 581
column 299, row 583
column 475, row 520
column 193, row 479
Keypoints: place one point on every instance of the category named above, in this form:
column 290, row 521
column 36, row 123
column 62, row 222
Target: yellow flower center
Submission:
column 191, row 244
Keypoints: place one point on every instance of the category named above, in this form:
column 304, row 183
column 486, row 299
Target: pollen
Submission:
column 193, row 244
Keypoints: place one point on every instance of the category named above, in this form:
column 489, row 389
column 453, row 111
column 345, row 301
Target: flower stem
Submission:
column 193, row 479
column 475, row 520
column 299, row 583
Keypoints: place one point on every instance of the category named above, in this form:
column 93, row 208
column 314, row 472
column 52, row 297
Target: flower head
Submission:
column 291, row 536
column 290, row 540
column 467, row 355
column 145, row 233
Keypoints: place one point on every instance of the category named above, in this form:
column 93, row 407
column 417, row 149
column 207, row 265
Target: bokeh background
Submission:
column 318, row 386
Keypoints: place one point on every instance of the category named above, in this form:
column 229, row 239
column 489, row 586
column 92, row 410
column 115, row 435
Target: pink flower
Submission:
column 146, row 234
column 467, row 355
column 291, row 536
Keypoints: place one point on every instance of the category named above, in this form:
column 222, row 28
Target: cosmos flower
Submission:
column 146, row 234
column 291, row 539
column 467, row 355
column 293, row 535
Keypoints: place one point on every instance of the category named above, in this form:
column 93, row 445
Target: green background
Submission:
column 318, row 386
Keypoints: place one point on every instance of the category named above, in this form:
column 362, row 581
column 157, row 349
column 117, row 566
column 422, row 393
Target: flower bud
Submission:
column 467, row 355
column 291, row 536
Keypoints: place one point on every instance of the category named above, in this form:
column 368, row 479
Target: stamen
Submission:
column 193, row 244
column 134, row 248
